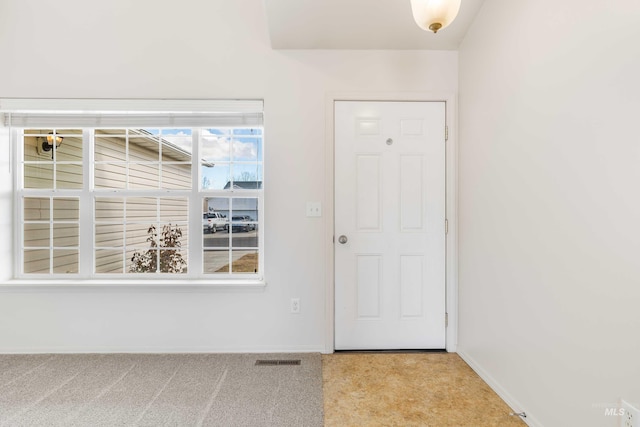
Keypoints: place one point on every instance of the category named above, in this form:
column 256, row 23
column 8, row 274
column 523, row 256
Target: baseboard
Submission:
column 499, row 389
column 157, row 350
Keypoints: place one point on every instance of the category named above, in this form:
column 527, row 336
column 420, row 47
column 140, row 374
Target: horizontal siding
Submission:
column 176, row 176
column 36, row 261
column 110, row 176
column 37, row 235
column 65, row 261
column 174, row 209
column 109, row 261
column 39, row 227
column 69, row 176
column 109, row 149
column 67, row 209
column 110, row 232
column 66, row 235
column 40, row 175
column 69, row 150
column 143, row 176
column 109, row 235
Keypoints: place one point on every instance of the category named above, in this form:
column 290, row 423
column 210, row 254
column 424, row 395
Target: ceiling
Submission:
column 359, row 24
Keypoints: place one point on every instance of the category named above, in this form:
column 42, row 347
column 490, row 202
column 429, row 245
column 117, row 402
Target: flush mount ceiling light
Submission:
column 434, row 15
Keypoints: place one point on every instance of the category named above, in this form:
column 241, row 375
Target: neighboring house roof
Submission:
column 246, row 185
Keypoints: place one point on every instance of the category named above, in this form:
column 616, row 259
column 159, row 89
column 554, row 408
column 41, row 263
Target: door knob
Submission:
column 343, row 239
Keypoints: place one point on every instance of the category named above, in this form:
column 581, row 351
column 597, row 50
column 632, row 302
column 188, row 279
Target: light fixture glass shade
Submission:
column 434, row 15
column 50, row 139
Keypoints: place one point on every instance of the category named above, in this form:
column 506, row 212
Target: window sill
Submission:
column 131, row 284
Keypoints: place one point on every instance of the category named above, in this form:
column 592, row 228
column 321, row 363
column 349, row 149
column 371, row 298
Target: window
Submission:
column 128, row 201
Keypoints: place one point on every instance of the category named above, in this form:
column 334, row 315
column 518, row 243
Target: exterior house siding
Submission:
column 111, row 172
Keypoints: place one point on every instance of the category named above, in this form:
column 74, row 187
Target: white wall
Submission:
column 549, row 227
column 194, row 49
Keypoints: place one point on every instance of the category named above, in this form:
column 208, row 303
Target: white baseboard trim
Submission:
column 158, row 350
column 499, row 389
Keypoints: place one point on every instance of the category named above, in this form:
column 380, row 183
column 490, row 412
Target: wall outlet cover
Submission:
column 630, row 415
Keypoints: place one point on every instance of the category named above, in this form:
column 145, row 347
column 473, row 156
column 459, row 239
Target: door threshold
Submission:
column 398, row 351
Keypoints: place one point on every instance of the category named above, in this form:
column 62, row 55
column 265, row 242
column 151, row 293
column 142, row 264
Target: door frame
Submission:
column 451, row 204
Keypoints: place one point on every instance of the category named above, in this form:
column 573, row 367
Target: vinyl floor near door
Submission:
column 408, row 389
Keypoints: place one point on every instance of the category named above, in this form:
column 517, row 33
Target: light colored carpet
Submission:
column 159, row 390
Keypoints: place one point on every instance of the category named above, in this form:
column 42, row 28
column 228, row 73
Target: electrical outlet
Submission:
column 295, row 305
column 630, row 415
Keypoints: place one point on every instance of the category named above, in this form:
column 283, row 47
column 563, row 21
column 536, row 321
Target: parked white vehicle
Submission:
column 214, row 221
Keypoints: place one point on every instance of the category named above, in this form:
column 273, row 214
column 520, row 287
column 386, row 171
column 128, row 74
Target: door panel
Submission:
column 390, row 205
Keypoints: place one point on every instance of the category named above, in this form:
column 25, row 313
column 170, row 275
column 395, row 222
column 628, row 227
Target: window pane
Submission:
column 65, row 235
column 32, row 147
column 38, row 175
column 247, row 176
column 109, row 261
column 219, row 239
column 174, row 209
column 144, row 175
column 111, row 148
column 216, row 146
column 65, row 261
column 68, row 175
column 110, row 175
column 216, row 262
column 70, row 148
column 142, row 209
column 144, row 148
column 142, row 261
column 36, row 261
column 109, row 235
column 141, row 235
column 37, row 209
column 109, row 209
column 247, row 131
column 177, row 145
column 176, row 176
column 37, row 235
column 247, row 149
column 173, row 261
column 215, row 176
column 66, row 209
column 173, row 236
column 245, row 207
column 245, row 262
column 246, row 237
column 218, row 204
column 110, row 132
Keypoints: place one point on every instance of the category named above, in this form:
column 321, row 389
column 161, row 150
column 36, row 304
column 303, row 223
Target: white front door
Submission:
column 389, row 225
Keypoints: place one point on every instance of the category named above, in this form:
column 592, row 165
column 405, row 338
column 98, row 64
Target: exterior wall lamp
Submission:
column 434, row 15
column 47, row 143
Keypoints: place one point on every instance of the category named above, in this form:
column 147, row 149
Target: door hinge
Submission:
column 446, row 320
column 446, row 133
column 446, row 226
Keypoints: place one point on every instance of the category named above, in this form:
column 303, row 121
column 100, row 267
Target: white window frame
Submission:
column 20, row 114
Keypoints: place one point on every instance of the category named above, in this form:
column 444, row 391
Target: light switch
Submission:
column 314, row 209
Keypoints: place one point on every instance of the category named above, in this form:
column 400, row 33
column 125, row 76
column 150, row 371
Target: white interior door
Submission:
column 389, row 225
